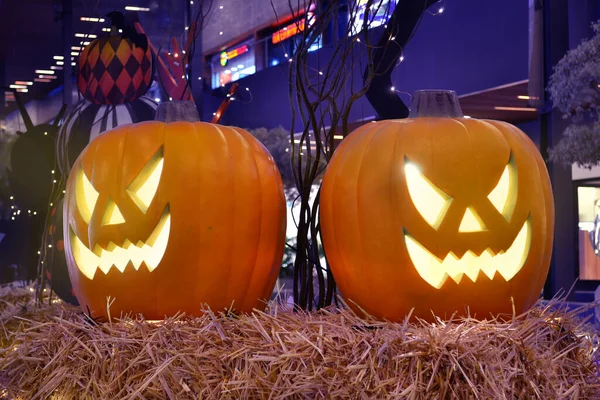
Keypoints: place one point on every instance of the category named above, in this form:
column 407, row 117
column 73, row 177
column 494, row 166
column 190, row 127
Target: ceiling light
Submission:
column 135, row 8
column 44, row 71
column 515, row 109
column 47, row 76
column 60, row 63
column 54, row 67
column 18, row 87
column 42, row 80
column 23, row 83
column 22, row 90
column 91, row 19
column 59, row 57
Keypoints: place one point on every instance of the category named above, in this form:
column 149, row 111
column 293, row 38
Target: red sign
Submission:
column 288, row 31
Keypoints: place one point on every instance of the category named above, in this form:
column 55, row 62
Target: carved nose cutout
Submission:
column 112, row 214
column 471, row 222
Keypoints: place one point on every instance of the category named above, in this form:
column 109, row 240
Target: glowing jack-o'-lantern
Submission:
column 438, row 213
column 167, row 217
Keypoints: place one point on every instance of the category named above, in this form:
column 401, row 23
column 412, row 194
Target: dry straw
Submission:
column 54, row 352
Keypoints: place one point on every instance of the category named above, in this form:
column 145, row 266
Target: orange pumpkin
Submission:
column 166, row 217
column 438, row 213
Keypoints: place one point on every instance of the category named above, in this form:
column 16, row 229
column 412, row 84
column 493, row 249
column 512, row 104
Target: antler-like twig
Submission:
column 172, row 66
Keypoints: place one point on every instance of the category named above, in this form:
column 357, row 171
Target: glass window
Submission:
column 588, row 199
column 233, row 64
column 381, row 10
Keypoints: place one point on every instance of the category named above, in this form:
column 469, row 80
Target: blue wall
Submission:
column 472, row 46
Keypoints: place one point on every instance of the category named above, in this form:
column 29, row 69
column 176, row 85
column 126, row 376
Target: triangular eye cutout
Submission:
column 430, row 201
column 112, row 214
column 143, row 188
column 504, row 195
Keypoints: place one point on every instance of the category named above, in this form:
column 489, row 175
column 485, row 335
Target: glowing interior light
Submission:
column 112, row 215
column 85, row 196
column 471, row 222
column 144, row 186
column 150, row 253
column 499, row 196
column 506, row 263
column 429, row 200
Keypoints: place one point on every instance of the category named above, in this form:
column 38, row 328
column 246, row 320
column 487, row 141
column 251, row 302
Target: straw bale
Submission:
column 53, row 351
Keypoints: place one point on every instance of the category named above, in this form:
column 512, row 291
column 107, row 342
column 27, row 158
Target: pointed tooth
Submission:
column 111, row 246
column 452, row 266
column 470, row 265
column 136, row 254
column 105, row 259
column 511, row 262
column 488, row 263
column 126, row 244
column 159, row 240
column 120, row 258
column 427, row 265
column 86, row 260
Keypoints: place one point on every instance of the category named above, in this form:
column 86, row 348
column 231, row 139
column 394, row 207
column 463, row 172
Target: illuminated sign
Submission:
column 288, row 32
column 228, row 55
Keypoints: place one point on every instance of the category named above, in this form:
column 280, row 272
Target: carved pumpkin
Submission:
column 166, row 217
column 438, row 213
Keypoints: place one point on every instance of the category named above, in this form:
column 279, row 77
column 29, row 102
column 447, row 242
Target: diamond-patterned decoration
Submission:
column 113, row 70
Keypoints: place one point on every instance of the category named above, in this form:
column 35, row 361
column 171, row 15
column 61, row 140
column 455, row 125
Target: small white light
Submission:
column 214, row 113
column 220, row 33
column 187, row 28
column 290, row 60
column 441, row 10
column 157, row 100
column 220, row 7
column 247, row 89
column 39, row 252
column 45, row 133
column 320, row 72
column 393, row 88
column 49, row 246
column 401, row 58
column 199, row 78
column 358, row 39
column 393, row 38
column 170, row 98
column 54, row 181
column 35, row 213
column 286, row 55
column 12, row 197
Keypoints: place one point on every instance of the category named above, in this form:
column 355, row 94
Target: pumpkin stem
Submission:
column 171, row 111
column 435, row 103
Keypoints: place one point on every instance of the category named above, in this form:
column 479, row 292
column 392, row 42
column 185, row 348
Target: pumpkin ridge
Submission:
column 252, row 273
column 367, row 146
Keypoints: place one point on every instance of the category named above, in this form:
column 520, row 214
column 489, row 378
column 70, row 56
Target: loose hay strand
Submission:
column 55, row 352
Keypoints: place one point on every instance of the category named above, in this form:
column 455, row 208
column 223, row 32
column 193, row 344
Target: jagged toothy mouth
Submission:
column 436, row 272
column 149, row 252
